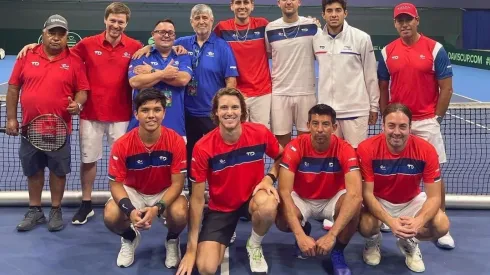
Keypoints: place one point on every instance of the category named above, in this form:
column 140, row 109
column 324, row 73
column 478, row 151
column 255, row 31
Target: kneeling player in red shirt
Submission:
column 392, row 164
column 146, row 170
column 319, row 171
column 231, row 159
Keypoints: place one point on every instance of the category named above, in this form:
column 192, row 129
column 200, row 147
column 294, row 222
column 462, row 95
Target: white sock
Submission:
column 255, row 240
column 373, row 237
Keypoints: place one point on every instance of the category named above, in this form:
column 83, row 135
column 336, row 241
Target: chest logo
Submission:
column 98, row 52
column 35, row 63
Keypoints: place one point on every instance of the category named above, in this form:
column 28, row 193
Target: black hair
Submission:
column 322, row 109
column 343, row 3
column 395, row 107
column 165, row 21
column 149, row 94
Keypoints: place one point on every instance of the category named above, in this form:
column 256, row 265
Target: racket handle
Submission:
column 3, row 130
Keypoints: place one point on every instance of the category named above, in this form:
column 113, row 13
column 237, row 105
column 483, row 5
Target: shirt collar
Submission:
column 102, row 40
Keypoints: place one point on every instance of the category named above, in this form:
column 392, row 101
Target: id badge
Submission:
column 168, row 95
column 192, row 87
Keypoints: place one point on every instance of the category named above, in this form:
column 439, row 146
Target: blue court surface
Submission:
column 92, row 249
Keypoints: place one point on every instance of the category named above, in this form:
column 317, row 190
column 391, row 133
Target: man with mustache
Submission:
column 50, row 80
column 245, row 35
column 420, row 73
column 392, row 164
column 319, row 178
column 231, row 159
column 108, row 107
column 169, row 73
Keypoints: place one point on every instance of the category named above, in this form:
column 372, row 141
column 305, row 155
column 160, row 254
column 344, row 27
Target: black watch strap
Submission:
column 274, row 179
column 161, row 207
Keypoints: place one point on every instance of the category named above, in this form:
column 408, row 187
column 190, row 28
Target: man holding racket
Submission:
column 53, row 81
column 147, row 169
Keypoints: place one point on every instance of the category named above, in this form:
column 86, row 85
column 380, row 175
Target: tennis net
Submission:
column 466, row 131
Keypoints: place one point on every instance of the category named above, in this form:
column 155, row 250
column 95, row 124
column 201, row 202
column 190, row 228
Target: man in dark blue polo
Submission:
column 165, row 71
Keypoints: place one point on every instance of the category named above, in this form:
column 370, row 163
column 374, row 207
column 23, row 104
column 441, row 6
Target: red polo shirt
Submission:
column 47, row 84
column 107, row 71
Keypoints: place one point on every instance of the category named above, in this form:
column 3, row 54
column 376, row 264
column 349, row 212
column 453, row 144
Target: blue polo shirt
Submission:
column 211, row 63
column 174, row 113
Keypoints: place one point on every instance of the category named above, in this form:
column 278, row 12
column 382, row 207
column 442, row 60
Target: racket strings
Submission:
column 48, row 133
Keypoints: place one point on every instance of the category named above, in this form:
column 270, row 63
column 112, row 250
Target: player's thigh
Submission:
column 31, row 159
column 59, row 162
column 368, row 223
column 305, row 208
column 413, row 207
column 113, row 215
column 430, row 130
column 116, row 130
column 91, row 136
column 332, row 207
column 281, row 114
column 173, row 211
column 218, row 226
column 260, row 109
column 303, row 105
column 354, row 131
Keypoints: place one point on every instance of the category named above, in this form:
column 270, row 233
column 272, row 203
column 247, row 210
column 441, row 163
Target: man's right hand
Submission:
column 143, row 51
column 24, row 50
column 399, row 230
column 307, row 245
column 170, row 72
column 12, row 127
column 187, row 263
column 135, row 217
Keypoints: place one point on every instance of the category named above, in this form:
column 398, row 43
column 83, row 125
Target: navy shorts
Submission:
column 33, row 159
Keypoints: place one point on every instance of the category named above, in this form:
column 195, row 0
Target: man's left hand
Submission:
column 73, row 107
column 266, row 185
column 325, row 244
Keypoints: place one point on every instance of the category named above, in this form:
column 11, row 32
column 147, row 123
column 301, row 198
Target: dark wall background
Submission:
column 21, row 21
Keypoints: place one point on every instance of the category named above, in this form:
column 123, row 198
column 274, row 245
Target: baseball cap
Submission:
column 56, row 21
column 405, row 8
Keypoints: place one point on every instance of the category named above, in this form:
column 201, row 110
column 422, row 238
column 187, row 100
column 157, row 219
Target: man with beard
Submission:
column 50, row 80
column 419, row 74
column 231, row 159
column 245, row 35
column 319, row 178
column 170, row 74
column 106, row 56
column 392, row 164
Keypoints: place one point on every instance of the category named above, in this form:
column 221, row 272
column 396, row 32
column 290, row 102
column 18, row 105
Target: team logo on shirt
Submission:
column 139, row 161
column 35, row 63
column 162, row 158
column 98, row 52
column 304, row 29
column 257, row 33
column 422, row 56
column 382, row 167
column 115, row 158
column 65, row 66
column 250, row 153
column 176, row 63
column 410, row 166
column 330, row 164
column 126, row 55
column 210, row 54
column 154, row 63
column 222, row 161
column 395, row 57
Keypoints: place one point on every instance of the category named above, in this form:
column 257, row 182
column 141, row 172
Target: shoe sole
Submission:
column 400, row 247
column 446, row 247
column 38, row 222
column 91, row 214
column 53, row 229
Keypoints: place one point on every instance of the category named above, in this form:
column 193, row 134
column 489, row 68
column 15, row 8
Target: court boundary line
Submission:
column 466, row 97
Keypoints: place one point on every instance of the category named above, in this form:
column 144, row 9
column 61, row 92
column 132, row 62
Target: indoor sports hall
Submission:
column 92, row 249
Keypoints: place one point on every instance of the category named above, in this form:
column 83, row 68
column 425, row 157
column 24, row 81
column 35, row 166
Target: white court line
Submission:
column 225, row 264
column 3, row 83
column 472, row 99
column 469, row 121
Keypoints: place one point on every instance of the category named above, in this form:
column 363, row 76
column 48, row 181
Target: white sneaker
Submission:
column 125, row 257
column 327, row 225
column 413, row 256
column 233, row 238
column 385, row 228
column 446, row 242
column 371, row 253
column 257, row 260
column 174, row 254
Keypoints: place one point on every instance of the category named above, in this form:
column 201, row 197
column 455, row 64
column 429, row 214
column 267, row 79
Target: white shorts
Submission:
column 92, row 134
column 317, row 209
column 430, row 130
column 409, row 209
column 259, row 109
column 140, row 200
column 289, row 110
column 354, row 131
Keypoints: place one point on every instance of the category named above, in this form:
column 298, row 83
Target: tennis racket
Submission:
column 47, row 132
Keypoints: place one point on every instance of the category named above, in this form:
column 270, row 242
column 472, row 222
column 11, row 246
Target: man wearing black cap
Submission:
column 421, row 78
column 53, row 81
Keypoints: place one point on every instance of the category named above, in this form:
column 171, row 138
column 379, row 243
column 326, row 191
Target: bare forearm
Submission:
column 142, row 81
column 443, row 102
column 275, row 167
column 180, row 81
column 81, row 97
column 288, row 204
column 12, row 101
column 429, row 209
column 352, row 204
column 230, row 82
column 376, row 209
column 117, row 191
column 384, row 96
column 173, row 192
column 195, row 210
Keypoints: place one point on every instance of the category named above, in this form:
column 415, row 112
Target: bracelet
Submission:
column 274, row 179
column 161, row 207
column 126, row 206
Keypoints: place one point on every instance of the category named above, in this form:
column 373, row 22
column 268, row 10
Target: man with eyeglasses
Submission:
column 169, row 73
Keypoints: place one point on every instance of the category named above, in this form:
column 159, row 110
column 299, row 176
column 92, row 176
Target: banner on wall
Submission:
column 73, row 39
column 474, row 59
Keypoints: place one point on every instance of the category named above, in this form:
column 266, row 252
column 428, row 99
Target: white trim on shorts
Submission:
column 317, row 209
column 409, row 209
column 92, row 135
column 430, row 130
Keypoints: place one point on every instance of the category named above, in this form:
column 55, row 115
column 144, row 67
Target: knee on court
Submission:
column 205, row 266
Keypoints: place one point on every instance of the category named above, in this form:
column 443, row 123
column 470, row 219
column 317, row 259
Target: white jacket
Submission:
column 347, row 78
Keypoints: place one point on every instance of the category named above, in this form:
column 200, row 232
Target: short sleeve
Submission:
column 432, row 171
column 365, row 162
column 16, row 76
column 117, row 163
column 291, row 156
column 179, row 156
column 348, row 159
column 133, row 64
column 383, row 73
column 199, row 164
column 442, row 65
column 229, row 62
column 272, row 145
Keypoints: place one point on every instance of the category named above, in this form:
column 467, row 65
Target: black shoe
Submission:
column 82, row 215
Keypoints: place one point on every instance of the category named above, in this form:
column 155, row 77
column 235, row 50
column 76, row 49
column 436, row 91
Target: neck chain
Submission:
column 237, row 33
column 296, row 34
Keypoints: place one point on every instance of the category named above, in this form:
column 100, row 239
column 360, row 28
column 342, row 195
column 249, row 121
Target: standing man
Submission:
column 421, row 78
column 169, row 73
column 108, row 108
column 231, row 159
column 289, row 40
column 392, row 164
column 319, row 172
column 146, row 172
column 53, row 81
column 246, row 36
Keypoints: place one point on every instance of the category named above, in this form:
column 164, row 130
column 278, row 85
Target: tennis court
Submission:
column 92, row 249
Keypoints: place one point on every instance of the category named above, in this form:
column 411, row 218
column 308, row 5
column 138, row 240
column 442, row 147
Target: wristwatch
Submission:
column 161, row 207
column 439, row 119
column 153, row 70
column 80, row 106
